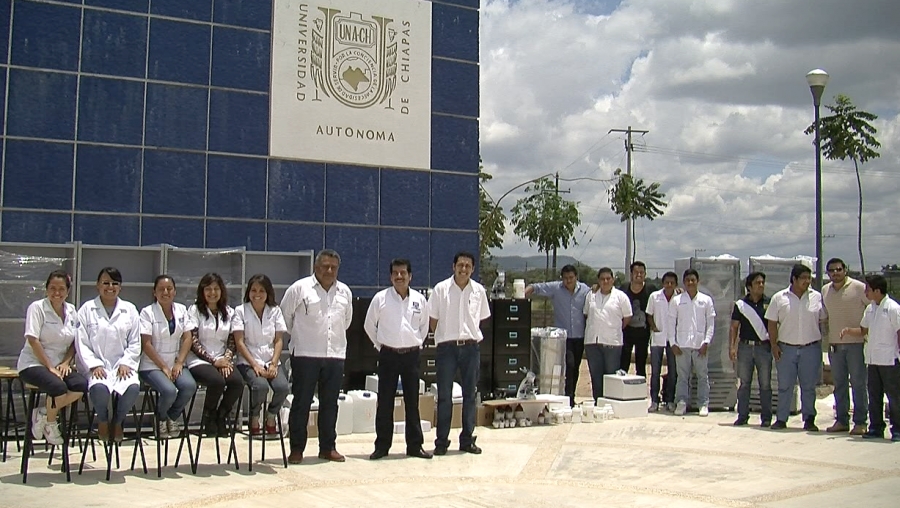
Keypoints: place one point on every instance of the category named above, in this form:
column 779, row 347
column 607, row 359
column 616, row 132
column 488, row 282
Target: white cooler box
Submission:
column 626, row 408
column 627, row 387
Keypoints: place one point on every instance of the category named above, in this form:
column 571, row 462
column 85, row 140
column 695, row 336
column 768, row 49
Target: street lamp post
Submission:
column 817, row 79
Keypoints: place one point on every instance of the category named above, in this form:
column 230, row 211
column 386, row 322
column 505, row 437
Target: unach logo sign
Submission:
column 354, row 60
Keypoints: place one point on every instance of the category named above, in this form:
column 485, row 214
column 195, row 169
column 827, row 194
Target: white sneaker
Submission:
column 175, row 428
column 162, row 430
column 681, row 408
column 38, row 422
column 654, row 407
column 704, row 410
column 51, row 433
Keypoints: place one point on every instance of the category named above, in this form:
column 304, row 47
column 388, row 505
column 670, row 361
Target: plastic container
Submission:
column 519, row 288
column 587, row 411
column 365, row 403
column 344, row 423
column 577, row 414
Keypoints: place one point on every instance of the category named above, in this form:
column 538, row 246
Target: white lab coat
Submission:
column 108, row 342
column 155, row 324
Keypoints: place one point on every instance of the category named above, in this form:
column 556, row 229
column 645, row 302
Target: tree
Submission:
column 847, row 133
column 544, row 218
column 491, row 219
column 631, row 198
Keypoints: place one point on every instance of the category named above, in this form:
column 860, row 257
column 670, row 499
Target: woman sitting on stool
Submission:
column 109, row 347
column 46, row 357
column 166, row 339
column 258, row 330
column 212, row 352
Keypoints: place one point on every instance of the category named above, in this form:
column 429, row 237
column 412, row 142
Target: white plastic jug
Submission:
column 364, row 405
column 519, row 288
column 344, row 423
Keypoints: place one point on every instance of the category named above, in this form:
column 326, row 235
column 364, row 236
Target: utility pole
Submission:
column 557, row 193
column 629, row 222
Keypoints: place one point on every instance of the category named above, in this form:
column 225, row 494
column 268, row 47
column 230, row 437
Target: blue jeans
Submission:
column 99, row 395
column 602, row 360
column 307, row 373
column 803, row 363
column 173, row 396
column 451, row 358
column 756, row 355
column 848, row 368
column 690, row 360
column 259, row 389
column 656, row 358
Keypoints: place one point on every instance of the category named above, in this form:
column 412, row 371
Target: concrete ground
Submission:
column 660, row 460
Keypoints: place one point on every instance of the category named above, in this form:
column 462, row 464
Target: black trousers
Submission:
column 47, row 381
column 639, row 339
column 574, row 354
column 391, row 365
column 307, row 374
column 884, row 380
column 228, row 389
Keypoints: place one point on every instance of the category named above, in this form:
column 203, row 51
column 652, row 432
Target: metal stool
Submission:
column 149, row 403
column 232, row 448
column 10, row 375
column 111, row 447
column 34, row 395
column 279, row 428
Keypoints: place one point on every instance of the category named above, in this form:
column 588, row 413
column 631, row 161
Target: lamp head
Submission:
column 817, row 79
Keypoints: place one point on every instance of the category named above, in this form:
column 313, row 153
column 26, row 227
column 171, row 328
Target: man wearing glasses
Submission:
column 845, row 301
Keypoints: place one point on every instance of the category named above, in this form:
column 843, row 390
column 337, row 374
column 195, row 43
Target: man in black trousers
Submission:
column 397, row 323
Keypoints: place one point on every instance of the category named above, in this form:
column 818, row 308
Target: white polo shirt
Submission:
column 459, row 311
column 54, row 333
column 694, row 320
column 397, row 322
column 797, row 317
column 605, row 313
column 259, row 334
column 883, row 322
column 155, row 325
column 318, row 319
column 658, row 307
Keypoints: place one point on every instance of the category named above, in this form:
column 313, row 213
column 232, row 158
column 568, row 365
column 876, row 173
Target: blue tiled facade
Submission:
column 138, row 122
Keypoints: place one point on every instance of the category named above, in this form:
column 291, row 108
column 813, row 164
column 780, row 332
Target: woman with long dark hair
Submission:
column 258, row 331
column 211, row 361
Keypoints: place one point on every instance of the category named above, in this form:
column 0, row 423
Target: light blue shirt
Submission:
column 568, row 308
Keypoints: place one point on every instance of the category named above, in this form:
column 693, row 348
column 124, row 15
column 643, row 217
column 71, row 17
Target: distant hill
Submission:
column 520, row 263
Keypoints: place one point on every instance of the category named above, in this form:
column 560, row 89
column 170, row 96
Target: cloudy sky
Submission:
column 720, row 85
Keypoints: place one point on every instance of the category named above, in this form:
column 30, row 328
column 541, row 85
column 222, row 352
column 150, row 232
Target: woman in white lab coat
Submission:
column 109, row 349
column 212, row 353
column 166, row 342
column 258, row 330
column 46, row 357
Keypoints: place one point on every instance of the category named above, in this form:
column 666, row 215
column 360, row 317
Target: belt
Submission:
column 816, row 343
column 754, row 342
column 467, row 342
column 401, row 350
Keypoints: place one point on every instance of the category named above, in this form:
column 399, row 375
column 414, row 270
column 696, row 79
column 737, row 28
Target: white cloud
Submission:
column 721, row 88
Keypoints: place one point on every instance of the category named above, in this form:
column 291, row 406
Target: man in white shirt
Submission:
column 317, row 311
column 662, row 328
column 881, row 322
column 795, row 338
column 456, row 308
column 397, row 323
column 608, row 312
column 693, row 315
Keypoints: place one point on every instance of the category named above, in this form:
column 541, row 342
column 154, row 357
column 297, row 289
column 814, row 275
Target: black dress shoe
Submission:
column 740, row 422
column 470, row 448
column 765, row 423
column 810, row 425
column 440, row 450
column 378, row 454
column 779, row 425
column 873, row 434
column 419, row 452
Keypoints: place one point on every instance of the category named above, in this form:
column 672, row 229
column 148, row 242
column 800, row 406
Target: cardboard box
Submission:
column 456, row 418
column 312, row 427
column 484, row 416
column 426, row 409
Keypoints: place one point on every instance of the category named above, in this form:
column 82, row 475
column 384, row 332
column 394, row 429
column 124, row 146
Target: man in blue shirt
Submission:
column 568, row 297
